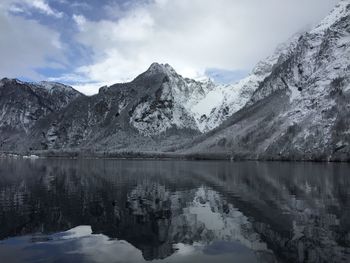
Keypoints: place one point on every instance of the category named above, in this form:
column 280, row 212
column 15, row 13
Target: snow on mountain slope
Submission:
column 224, row 100
column 53, row 86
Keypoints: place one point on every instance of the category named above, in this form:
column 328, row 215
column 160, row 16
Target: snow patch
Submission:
column 294, row 93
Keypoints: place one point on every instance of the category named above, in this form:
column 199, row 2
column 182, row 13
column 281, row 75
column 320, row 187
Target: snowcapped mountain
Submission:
column 301, row 110
column 150, row 113
column 23, row 104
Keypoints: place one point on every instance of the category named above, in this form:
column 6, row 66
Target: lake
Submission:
column 173, row 211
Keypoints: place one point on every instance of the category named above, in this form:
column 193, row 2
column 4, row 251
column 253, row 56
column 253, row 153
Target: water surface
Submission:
column 173, row 211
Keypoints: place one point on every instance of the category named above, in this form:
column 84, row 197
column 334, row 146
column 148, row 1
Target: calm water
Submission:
column 173, row 211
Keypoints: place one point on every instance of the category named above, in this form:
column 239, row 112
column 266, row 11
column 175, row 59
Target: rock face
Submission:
column 302, row 109
column 23, row 104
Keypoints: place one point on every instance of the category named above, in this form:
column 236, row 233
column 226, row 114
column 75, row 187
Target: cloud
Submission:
column 79, row 20
column 192, row 35
column 44, row 7
column 26, row 45
column 25, row 6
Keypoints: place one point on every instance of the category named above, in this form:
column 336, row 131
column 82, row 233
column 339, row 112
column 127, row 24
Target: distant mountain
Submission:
column 151, row 113
column 23, row 104
column 301, row 111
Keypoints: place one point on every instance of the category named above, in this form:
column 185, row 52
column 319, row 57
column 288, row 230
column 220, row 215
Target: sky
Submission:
column 92, row 43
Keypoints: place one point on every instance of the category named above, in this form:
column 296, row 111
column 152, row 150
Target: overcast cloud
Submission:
column 192, row 36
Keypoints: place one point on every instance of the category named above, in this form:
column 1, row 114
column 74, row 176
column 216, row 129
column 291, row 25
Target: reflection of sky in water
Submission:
column 79, row 244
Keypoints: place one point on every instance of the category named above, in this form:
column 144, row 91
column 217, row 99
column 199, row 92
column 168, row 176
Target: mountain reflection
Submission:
column 278, row 212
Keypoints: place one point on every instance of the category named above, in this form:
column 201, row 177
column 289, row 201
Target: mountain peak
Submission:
column 156, row 68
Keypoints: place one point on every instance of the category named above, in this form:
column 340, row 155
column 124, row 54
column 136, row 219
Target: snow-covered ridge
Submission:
column 46, row 85
column 339, row 11
column 50, row 86
column 224, row 100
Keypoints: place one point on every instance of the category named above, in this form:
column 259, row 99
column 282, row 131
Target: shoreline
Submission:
column 164, row 157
